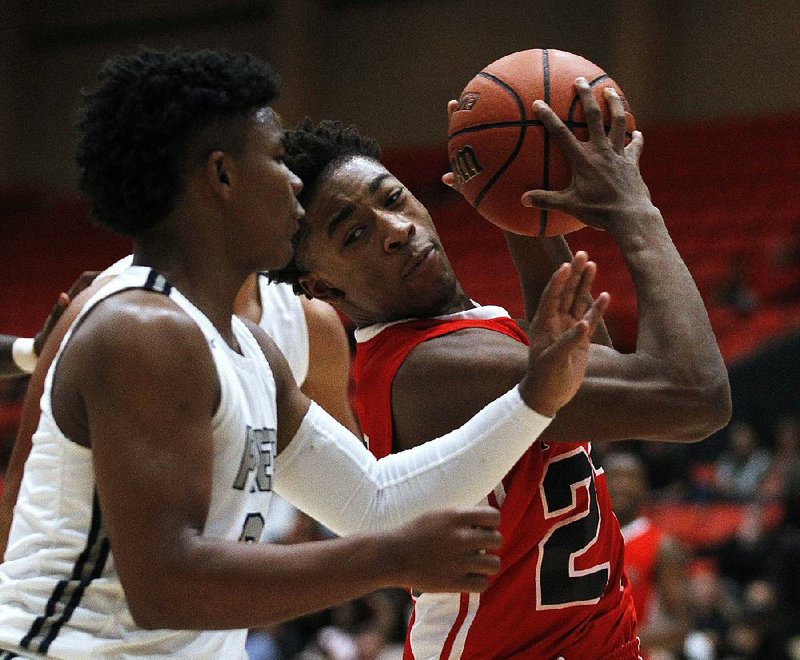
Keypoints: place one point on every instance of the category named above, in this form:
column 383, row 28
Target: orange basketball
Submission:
column 497, row 147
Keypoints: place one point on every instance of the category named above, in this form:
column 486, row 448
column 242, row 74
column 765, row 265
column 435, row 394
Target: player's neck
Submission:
column 458, row 301
column 248, row 299
column 203, row 274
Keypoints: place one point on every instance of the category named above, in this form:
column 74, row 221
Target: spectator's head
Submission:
column 627, row 484
column 787, row 436
column 742, row 439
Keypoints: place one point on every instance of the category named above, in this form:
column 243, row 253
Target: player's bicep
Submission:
column 445, row 381
column 149, row 397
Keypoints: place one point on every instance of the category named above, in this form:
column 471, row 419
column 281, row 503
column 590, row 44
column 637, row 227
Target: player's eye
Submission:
column 353, row 235
column 393, row 197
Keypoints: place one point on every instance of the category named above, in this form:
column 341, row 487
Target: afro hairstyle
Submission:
column 136, row 126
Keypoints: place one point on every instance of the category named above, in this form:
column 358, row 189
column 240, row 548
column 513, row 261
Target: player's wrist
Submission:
column 635, row 222
column 538, row 402
column 23, row 354
column 389, row 555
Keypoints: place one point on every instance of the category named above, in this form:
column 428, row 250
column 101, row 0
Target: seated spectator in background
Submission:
column 735, row 291
column 366, row 628
column 740, row 558
column 783, row 561
column 758, row 631
column 743, row 465
column 712, row 609
column 785, row 460
column 654, row 562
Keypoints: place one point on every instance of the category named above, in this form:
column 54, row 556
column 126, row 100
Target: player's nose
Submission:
column 398, row 231
column 295, row 181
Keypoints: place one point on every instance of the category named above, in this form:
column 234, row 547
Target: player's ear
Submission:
column 219, row 172
column 319, row 288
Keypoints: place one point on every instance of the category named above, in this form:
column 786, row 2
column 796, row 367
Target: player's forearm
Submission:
column 673, row 328
column 361, row 493
column 535, row 260
column 214, row 584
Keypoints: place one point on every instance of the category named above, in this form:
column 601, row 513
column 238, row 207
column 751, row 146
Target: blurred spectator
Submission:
column 736, row 291
column 786, row 459
column 712, row 609
column 368, row 628
column 743, row 464
column 783, row 561
column 740, row 559
column 654, row 562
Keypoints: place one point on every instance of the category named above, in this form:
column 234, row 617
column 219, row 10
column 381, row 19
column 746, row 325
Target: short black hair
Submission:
column 147, row 113
column 312, row 152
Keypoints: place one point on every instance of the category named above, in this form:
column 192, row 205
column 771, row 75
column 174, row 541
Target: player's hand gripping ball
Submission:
column 497, row 147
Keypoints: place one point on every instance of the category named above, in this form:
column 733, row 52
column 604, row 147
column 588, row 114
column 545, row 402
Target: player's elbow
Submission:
column 145, row 616
column 708, row 404
column 167, row 597
column 718, row 405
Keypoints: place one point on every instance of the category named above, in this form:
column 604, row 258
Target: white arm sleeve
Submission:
column 328, row 473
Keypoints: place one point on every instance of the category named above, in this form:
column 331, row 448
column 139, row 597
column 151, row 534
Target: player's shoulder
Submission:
column 136, row 323
column 319, row 312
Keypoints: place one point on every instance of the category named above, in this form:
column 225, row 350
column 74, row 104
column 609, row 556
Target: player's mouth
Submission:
column 417, row 260
column 296, row 217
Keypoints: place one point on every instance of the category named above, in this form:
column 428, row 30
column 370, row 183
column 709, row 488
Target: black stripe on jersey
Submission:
column 157, row 282
column 68, row 593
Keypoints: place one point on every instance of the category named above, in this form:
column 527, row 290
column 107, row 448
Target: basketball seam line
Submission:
column 516, row 123
column 523, row 128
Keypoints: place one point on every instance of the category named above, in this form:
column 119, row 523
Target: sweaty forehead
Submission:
column 344, row 185
column 354, row 176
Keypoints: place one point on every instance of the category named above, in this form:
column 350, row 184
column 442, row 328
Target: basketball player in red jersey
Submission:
column 654, row 562
column 428, row 357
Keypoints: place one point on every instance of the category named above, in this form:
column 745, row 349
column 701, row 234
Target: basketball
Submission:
column 497, row 147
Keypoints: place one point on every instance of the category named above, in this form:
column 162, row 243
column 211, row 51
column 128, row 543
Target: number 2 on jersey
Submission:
column 560, row 584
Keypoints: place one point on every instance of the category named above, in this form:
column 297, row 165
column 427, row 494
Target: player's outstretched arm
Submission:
column 144, row 401
column 676, row 378
column 18, row 355
column 383, row 494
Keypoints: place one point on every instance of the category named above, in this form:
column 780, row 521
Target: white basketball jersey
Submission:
column 60, row 594
column 283, row 319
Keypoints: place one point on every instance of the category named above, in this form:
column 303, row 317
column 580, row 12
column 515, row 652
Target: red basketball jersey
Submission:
column 562, row 590
column 642, row 541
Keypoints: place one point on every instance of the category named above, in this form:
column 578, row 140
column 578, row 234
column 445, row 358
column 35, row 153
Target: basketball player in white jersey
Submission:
column 167, row 422
column 309, row 333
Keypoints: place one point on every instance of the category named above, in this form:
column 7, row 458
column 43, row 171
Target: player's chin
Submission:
column 278, row 257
